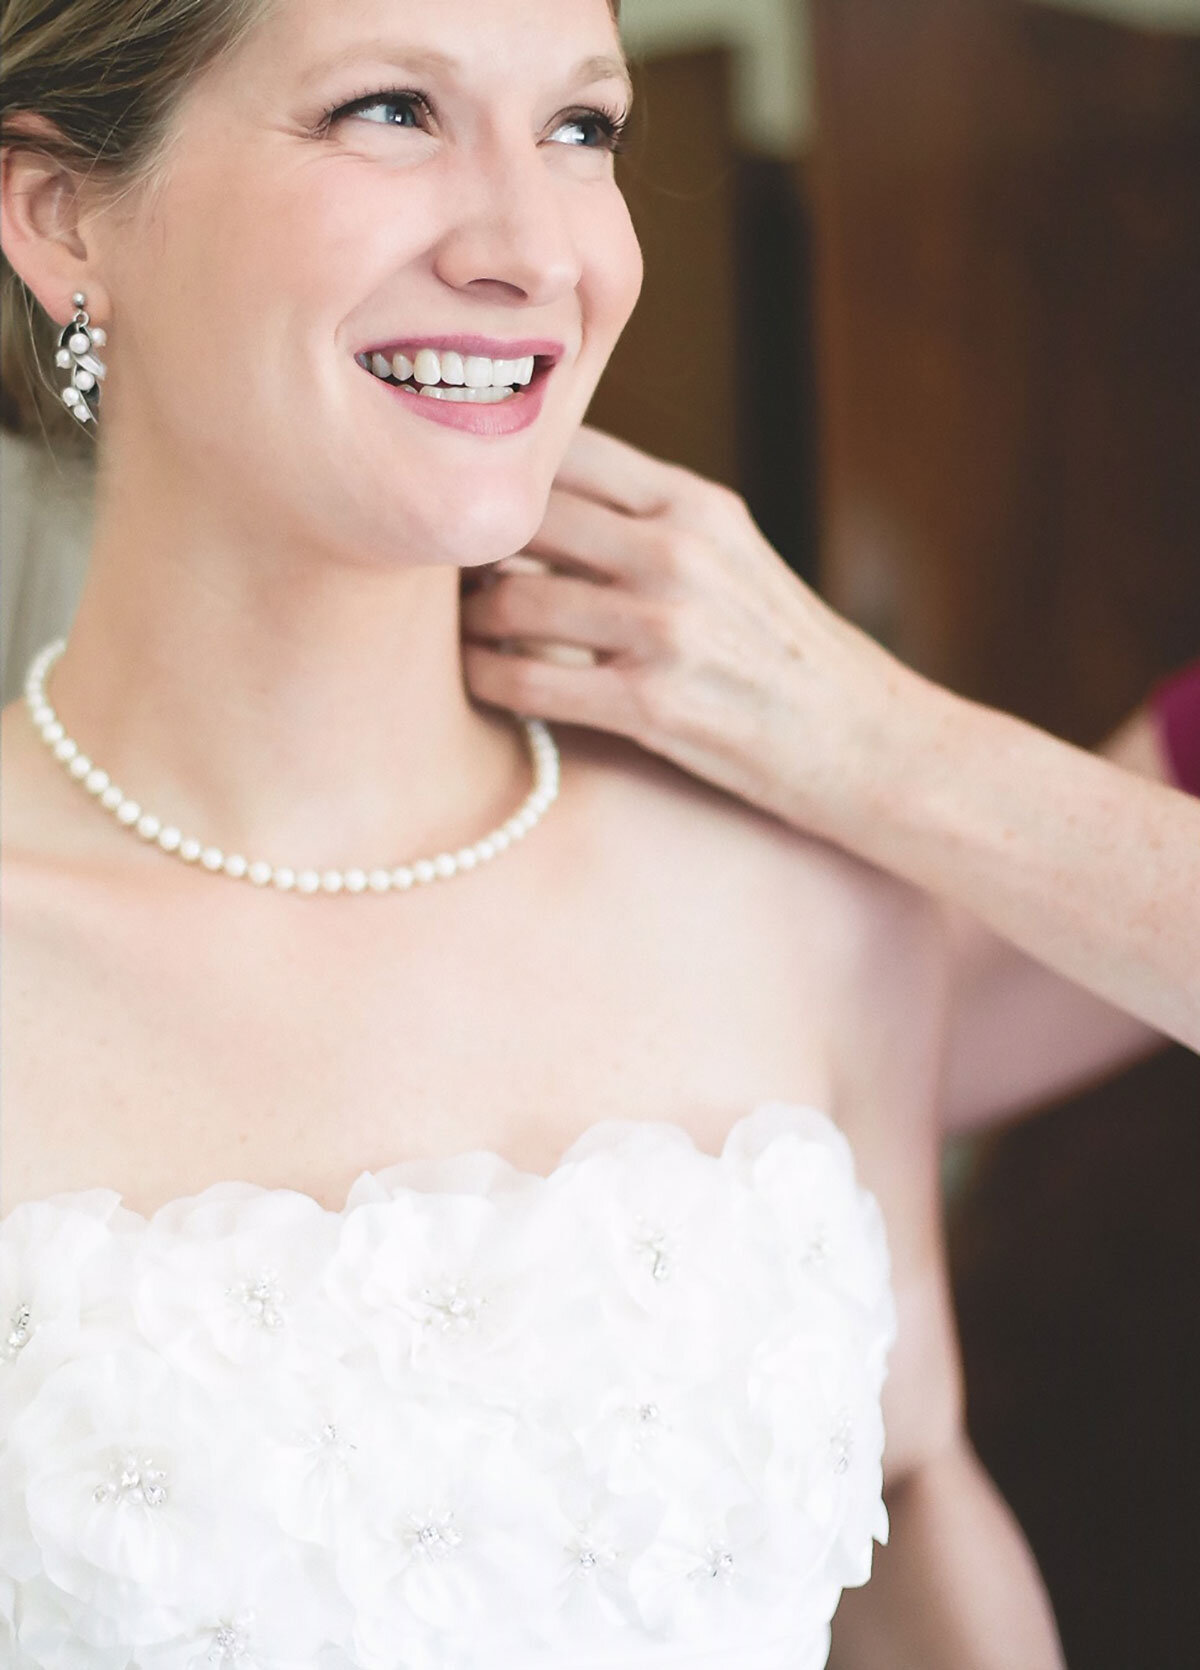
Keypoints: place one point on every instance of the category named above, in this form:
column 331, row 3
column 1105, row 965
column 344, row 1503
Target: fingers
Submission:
column 594, row 696
column 611, row 472
column 555, row 609
column 581, row 534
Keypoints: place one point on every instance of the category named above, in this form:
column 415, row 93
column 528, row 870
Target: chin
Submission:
column 471, row 526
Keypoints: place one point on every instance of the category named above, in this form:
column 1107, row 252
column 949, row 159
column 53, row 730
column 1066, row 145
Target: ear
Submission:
column 43, row 230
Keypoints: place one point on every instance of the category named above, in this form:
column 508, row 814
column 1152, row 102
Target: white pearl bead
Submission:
column 78, row 342
column 71, row 396
column 99, row 336
column 84, row 380
column 543, row 752
column 63, row 358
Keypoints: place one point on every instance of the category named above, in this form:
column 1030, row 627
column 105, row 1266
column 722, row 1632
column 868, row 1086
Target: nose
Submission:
column 512, row 241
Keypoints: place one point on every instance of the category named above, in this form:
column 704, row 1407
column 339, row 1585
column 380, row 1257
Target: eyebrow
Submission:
column 603, row 67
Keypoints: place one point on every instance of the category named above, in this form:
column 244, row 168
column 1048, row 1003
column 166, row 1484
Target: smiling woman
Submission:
column 398, row 1275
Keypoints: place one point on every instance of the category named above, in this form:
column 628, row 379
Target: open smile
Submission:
column 470, row 383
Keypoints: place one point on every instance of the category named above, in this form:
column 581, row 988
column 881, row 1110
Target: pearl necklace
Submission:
column 543, row 753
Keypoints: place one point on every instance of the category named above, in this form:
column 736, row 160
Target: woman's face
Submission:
column 382, row 177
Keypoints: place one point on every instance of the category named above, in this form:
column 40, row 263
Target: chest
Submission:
column 159, row 1049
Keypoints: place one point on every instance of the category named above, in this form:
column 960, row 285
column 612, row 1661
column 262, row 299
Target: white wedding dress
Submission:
column 626, row 1417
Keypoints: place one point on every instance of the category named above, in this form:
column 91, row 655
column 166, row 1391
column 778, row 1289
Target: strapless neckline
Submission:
column 621, row 1415
column 449, row 1173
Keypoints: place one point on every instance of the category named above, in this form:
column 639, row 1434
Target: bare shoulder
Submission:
column 806, row 914
column 850, row 965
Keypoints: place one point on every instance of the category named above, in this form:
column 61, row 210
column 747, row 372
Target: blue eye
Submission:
column 593, row 130
column 412, row 108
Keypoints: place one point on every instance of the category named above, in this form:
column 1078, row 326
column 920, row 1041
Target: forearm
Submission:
column 1021, row 1036
column 955, row 1589
column 1083, row 866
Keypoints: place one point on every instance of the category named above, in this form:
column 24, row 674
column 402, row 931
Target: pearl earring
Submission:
column 75, row 354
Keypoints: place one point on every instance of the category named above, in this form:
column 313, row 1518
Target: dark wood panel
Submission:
column 1009, row 260
column 672, row 385
column 1008, row 233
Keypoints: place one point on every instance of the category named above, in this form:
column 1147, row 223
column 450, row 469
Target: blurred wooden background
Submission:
column 952, row 358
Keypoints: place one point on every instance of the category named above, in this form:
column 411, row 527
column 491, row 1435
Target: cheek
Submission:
column 613, row 270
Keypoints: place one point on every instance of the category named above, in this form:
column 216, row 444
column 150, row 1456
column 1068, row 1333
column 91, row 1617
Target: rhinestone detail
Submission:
column 262, row 1299
column 453, row 1309
column 231, row 1644
column 717, row 1566
column 328, row 1444
column 436, row 1537
column 653, row 1246
column 842, row 1445
column 20, row 1330
column 134, row 1478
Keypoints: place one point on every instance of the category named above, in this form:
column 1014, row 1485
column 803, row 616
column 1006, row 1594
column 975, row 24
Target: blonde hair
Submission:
column 108, row 74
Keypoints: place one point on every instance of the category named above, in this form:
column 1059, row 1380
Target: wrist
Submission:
column 885, row 742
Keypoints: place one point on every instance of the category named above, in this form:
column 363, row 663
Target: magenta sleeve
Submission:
column 1176, row 705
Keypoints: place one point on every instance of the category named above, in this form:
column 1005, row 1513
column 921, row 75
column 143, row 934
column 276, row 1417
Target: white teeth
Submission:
column 427, row 367
column 466, row 396
column 431, row 368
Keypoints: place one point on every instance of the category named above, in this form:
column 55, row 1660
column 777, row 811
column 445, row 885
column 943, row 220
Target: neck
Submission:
column 288, row 705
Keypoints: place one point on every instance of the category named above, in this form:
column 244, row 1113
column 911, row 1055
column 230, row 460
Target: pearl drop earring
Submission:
column 75, row 354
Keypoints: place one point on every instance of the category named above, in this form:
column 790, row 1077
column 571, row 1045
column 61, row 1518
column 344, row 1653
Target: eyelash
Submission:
column 612, row 125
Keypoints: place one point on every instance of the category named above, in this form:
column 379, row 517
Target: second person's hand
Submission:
column 685, row 631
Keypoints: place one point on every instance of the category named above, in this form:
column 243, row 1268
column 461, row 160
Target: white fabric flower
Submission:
column 629, row 1413
column 230, row 1281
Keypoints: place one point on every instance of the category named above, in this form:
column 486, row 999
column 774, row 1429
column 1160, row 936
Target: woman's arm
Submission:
column 1068, row 1037
column 711, row 652
column 941, row 1596
column 957, row 1587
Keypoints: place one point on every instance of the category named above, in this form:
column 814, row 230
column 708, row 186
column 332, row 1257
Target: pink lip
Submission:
column 483, row 347
column 518, row 412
